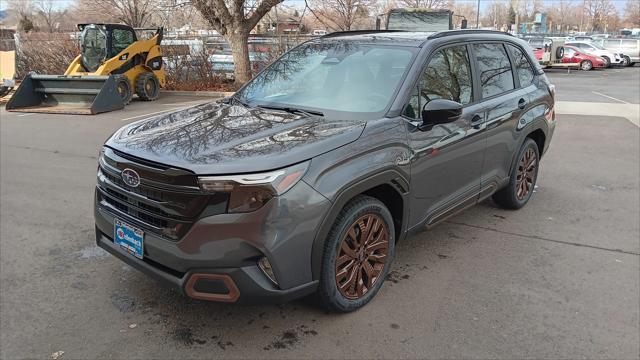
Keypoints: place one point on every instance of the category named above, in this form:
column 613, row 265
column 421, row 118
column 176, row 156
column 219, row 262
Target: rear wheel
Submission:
column 522, row 180
column 626, row 61
column 586, row 65
column 123, row 87
column 607, row 61
column 147, row 86
column 357, row 255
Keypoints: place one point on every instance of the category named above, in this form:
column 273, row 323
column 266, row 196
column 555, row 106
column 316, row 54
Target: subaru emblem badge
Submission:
column 130, row 177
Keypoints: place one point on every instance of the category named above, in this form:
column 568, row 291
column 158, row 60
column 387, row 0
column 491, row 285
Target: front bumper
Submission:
column 223, row 250
column 251, row 285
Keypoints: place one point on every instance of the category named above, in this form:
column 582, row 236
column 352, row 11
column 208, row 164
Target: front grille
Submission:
column 165, row 203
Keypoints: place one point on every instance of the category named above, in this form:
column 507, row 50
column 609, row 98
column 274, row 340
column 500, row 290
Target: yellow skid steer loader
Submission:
column 113, row 64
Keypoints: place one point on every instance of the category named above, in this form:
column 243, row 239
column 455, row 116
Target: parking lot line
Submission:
column 610, row 97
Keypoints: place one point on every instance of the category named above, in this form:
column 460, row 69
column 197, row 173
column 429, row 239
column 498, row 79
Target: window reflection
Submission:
column 338, row 76
column 523, row 66
column 447, row 76
column 495, row 70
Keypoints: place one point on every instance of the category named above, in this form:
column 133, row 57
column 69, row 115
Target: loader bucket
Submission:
column 60, row 94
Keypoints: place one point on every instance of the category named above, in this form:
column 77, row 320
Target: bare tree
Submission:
column 497, row 14
column 19, row 12
column 426, row 4
column 632, row 13
column 46, row 10
column 339, row 15
column 598, row 12
column 466, row 9
column 563, row 7
column 135, row 13
column 234, row 20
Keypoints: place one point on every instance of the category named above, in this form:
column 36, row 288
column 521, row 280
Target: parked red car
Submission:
column 586, row 61
column 573, row 56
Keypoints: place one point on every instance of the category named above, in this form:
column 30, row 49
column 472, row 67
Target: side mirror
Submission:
column 439, row 111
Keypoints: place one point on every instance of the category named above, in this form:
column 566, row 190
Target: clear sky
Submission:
column 619, row 4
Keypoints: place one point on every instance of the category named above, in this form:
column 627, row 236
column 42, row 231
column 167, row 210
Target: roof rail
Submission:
column 357, row 32
column 466, row 31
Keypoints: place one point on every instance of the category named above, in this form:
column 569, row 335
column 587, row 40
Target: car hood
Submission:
column 218, row 138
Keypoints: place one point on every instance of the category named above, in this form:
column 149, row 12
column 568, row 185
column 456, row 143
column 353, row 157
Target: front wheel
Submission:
column 357, row 255
column 607, row 61
column 522, row 180
column 123, row 87
column 586, row 65
column 626, row 61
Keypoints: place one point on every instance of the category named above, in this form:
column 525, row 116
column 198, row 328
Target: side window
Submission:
column 496, row 76
column 523, row 66
column 120, row 40
column 612, row 43
column 447, row 76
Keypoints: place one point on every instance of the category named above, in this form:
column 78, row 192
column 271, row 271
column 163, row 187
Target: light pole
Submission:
column 478, row 16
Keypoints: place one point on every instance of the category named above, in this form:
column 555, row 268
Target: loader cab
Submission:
column 99, row 42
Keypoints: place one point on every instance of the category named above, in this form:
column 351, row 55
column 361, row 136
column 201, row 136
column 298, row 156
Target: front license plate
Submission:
column 129, row 238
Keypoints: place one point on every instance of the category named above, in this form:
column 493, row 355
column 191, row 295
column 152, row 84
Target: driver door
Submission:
column 447, row 159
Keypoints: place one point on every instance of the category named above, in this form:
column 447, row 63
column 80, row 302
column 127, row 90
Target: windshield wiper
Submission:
column 292, row 110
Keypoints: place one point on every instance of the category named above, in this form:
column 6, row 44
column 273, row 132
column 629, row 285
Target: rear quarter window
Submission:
column 522, row 64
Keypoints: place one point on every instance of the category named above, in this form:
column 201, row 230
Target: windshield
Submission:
column 596, row 46
column 327, row 77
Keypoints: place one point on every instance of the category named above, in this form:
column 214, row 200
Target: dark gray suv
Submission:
column 304, row 181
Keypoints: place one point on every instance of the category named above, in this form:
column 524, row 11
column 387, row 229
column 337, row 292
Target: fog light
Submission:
column 265, row 266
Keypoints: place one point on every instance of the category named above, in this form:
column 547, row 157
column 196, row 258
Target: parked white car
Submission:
column 609, row 57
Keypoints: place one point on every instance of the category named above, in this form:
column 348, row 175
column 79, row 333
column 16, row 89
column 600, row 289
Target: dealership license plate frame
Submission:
column 133, row 243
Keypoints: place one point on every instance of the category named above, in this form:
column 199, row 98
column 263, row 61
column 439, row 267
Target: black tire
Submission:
column 560, row 52
column 607, row 61
column 123, row 88
column 4, row 90
column 361, row 207
column 626, row 61
column 586, row 65
column 147, row 86
column 509, row 197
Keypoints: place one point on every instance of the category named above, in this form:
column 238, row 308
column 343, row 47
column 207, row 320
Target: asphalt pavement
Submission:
column 559, row 278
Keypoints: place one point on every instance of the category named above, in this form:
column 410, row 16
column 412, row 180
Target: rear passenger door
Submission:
column 505, row 101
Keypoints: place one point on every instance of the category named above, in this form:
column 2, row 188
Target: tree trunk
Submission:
column 240, row 50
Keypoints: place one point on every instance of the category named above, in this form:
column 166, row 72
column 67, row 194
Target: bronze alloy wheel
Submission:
column 526, row 174
column 362, row 255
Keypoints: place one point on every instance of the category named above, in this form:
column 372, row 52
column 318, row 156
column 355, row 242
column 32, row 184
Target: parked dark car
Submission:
column 304, row 181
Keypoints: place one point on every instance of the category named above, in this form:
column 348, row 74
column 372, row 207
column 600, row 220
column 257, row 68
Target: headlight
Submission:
column 249, row 192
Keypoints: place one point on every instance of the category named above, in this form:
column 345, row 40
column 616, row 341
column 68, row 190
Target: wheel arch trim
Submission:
column 387, row 177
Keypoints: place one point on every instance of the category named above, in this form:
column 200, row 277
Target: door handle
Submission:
column 476, row 121
column 522, row 103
